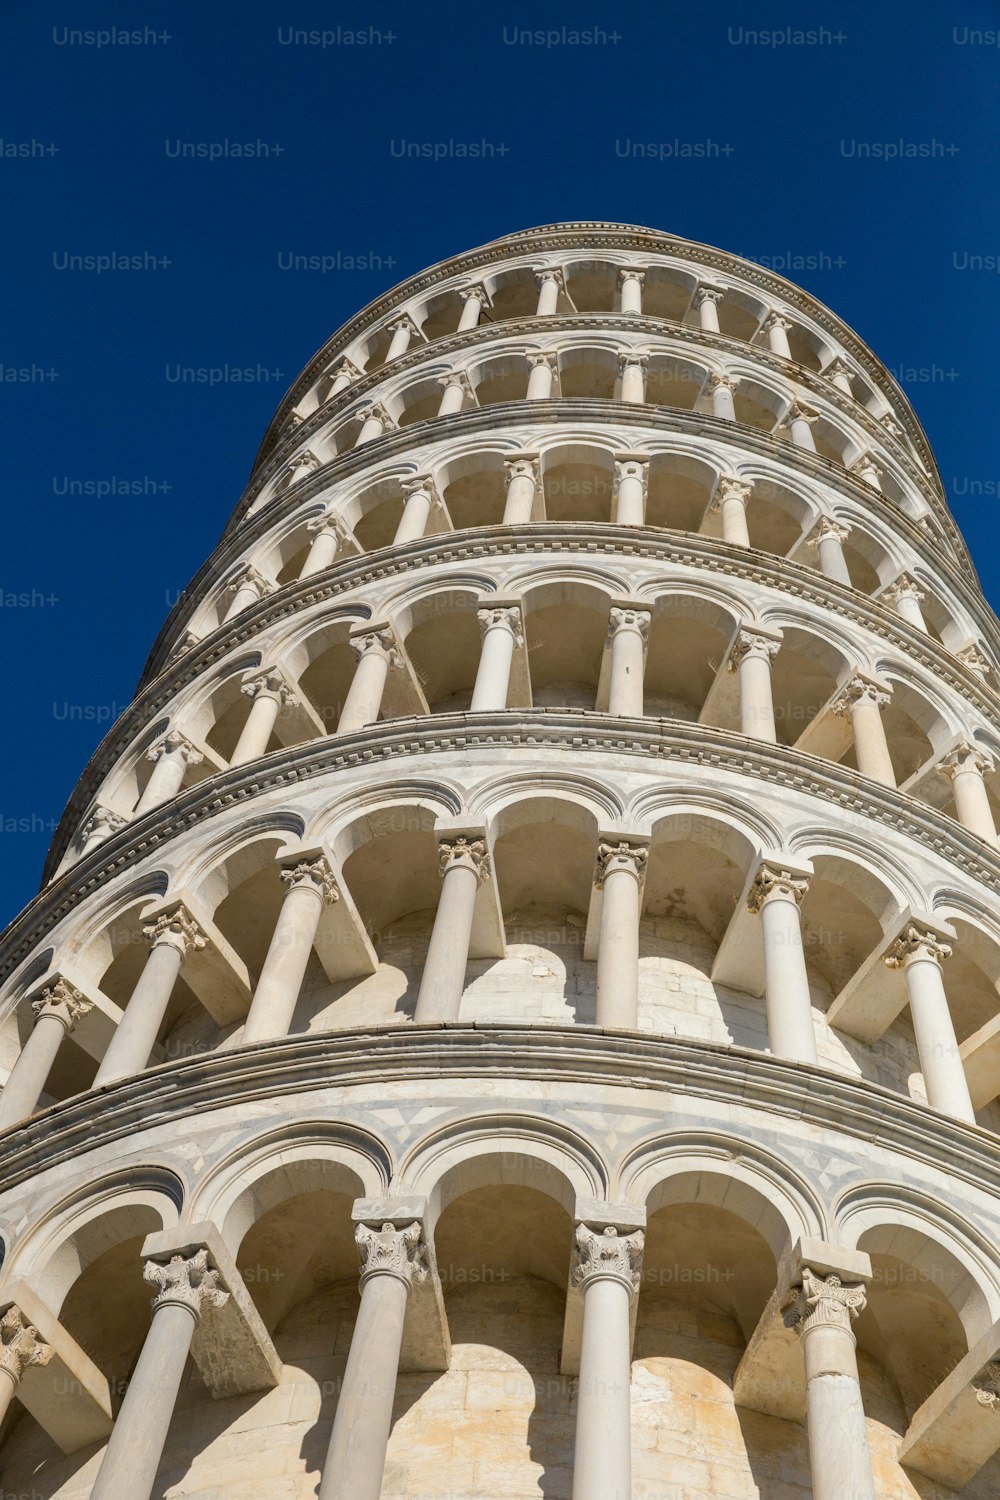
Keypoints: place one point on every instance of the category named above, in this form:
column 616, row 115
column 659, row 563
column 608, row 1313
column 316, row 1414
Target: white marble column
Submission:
column 464, row 864
column 247, row 587
column 300, row 467
column 631, row 478
column 776, row 327
column 620, row 870
column 327, row 536
column 172, row 755
column 723, row 404
column 920, row 954
column 341, row 377
column 170, row 937
column 186, row 1288
column 502, row 631
column 474, row 299
column 730, row 500
column 99, row 827
column 628, row 632
column 838, row 372
column 751, row 656
column 542, row 378
column 391, row 1260
column 374, row 421
column 862, row 701
column 868, row 471
column 403, row 330
column 904, row 595
column 633, row 381
column 706, row 301
column 965, row 766
column 800, row 419
column 822, row 1311
column 550, row 284
column 828, row 541
column 972, row 657
column 630, row 288
column 776, row 895
column 376, row 653
column 607, row 1267
column 56, row 1011
column 310, row 886
column 20, row 1348
column 523, row 479
column 454, row 389
column 420, row 495
column 270, row 691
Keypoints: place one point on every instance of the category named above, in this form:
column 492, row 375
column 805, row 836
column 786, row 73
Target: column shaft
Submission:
column 722, row 400
column 133, row 1041
column 321, row 554
column 540, row 380
column 472, row 307
column 940, row 1060
column 413, row 521
column 364, row 697
column 280, row 982
column 493, row 677
column 520, row 497
column 618, row 951
column 832, row 562
column 23, row 1088
column 734, row 522
column 756, row 700
column 786, row 983
column 972, row 804
column 870, row 744
column 164, row 782
column 355, row 1460
column 602, row 1458
column 627, row 668
column 838, row 1438
column 257, row 730
column 443, row 979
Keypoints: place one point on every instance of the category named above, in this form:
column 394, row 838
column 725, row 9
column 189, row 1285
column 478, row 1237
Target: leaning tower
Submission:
column 550, row 859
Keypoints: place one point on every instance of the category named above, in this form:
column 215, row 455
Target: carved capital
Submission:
column 268, row 682
column 829, row 529
column 505, row 617
column 621, row 856
column 378, row 642
column 422, row 484
column 303, row 463
column 987, row 1385
column 971, row 657
column 798, row 412
column 607, row 1256
column 623, row 618
column 174, row 743
column 904, row 587
column 522, row 466
column 731, row 488
column 470, row 854
column 62, row 1002
column 550, row 273
column 385, row 1250
column 176, row 928
column 867, row 469
column 476, row 291
column 705, row 292
column 327, row 524
column 632, row 466
column 20, row 1345
column 916, row 943
column 967, row 757
column 861, row 689
column 343, row 367
column 185, row 1282
column 459, row 378
column 754, row 645
column 772, row 883
column 101, row 824
column 630, row 273
column 824, row 1301
column 404, row 321
column 775, row 320
column 549, row 359
column 376, row 412
column 718, row 381
column 632, row 357
column 248, row 577
column 836, row 366
column 892, row 427
column 314, row 874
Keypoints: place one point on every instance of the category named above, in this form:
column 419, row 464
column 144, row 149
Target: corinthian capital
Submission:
column 101, row 824
column 904, row 587
column 967, row 757
column 388, row 1251
column 185, row 1281
column 61, row 1001
column 914, row 944
column 550, row 273
column 175, row 743
column 971, row 657
column 505, row 617
column 826, row 527
column 175, row 927
column 773, row 883
column 312, row 873
column 625, row 618
column 608, row 1255
column 620, row 856
column 861, row 689
column 303, row 463
column 987, row 1385
column 731, row 488
column 472, row 853
column 20, row 1345
column 268, row 682
column 249, row 577
column 377, row 642
column 752, row 644
column 823, row 1301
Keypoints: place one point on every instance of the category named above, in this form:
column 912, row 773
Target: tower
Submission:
column 550, row 857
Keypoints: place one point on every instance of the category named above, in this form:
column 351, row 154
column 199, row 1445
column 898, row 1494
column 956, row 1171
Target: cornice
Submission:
column 179, row 1092
column 660, row 742
column 609, row 236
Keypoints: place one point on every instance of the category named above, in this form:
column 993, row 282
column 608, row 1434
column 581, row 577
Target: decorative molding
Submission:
column 61, row 1001
column 772, row 883
column 916, row 943
column 314, row 873
column 20, row 1345
column 185, row 1281
column 824, row 1302
column 607, row 1256
column 388, row 1251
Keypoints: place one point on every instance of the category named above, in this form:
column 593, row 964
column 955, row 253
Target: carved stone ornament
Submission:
column 187, row 1281
column 621, row 856
column 472, row 853
column 608, row 1254
column 60, row 1000
column 506, row 616
column 823, row 1300
column 177, row 927
column 916, row 942
column 315, row 873
column 20, row 1345
column 774, row 883
column 987, row 1385
column 389, row 1251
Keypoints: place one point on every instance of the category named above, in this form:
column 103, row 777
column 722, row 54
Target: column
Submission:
column 184, row 1290
column 776, row 895
column 464, row 863
column 892, row 427
column 20, row 1347
column 706, row 300
column 550, row 284
column 828, row 540
column 327, row 534
column 800, row 419
column 299, row 467
column 631, row 475
column 402, row 331
column 269, row 691
column 965, row 767
column 776, row 327
column 309, row 887
column 419, row 492
column 920, row 954
column 247, row 587
column 607, row 1267
column 542, row 377
column 620, row 870
column 170, row 937
column 172, row 756
column 502, row 630
column 391, row 1260
column 731, row 497
column 628, row 632
column 455, row 388
column 374, row 421
column 101, row 824
column 56, row 1012
column 523, row 479
column 970, row 656
column 344, row 375
column 751, row 656
column 905, row 597
column 474, row 299
column 630, row 286
column 821, row 1312
column 862, row 701
column 723, row 404
column 838, row 372
column 376, row 653
column 866, row 469
column 633, row 368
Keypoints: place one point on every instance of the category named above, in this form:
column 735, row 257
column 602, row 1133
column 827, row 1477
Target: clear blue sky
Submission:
column 94, row 163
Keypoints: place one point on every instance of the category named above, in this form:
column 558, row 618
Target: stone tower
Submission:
column 550, row 857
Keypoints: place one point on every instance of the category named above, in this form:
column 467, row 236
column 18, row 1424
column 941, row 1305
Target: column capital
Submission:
column 550, row 273
column 987, row 1385
column 175, row 743
column 470, row 853
column 402, row 320
column 862, row 688
column 867, row 469
column 314, row 874
column 249, row 577
column 752, row 643
column 827, row 527
column 706, row 291
column 343, row 367
column 915, row 944
column 547, row 357
column 966, row 756
column 522, row 466
column 837, row 366
column 375, row 640
column 377, row 412
column 477, row 290
column 101, row 824
column 798, row 411
column 629, row 617
column 632, row 466
column 185, row 1281
column 776, row 320
column 904, row 587
column 20, row 1345
column 631, row 273
column 328, row 522
column 824, row 1301
column 731, row 488
column 892, row 427
column 307, row 461
column 776, row 882
column 61, row 1001
column 633, row 357
column 268, row 682
column 386, row 1250
column 502, row 616
column 412, row 484
column 719, row 379
column 971, row 657
column 623, row 854
column 456, row 377
column 175, row 928
column 606, row 1255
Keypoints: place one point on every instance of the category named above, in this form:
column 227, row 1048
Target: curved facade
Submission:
column 550, row 855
